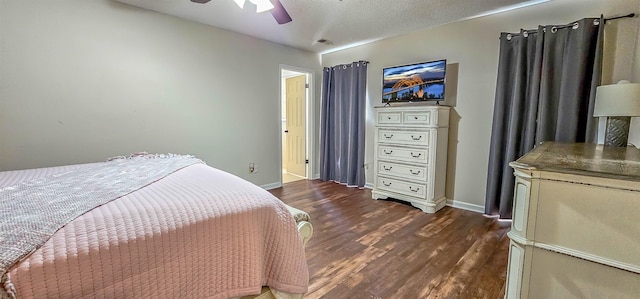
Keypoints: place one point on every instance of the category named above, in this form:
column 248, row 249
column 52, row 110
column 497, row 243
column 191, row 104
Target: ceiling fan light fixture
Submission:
column 262, row 5
column 240, row 3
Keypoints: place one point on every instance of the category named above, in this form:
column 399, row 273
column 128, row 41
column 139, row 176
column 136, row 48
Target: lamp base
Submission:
column 617, row 131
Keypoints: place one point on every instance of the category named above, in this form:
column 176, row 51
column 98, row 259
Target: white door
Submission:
column 295, row 152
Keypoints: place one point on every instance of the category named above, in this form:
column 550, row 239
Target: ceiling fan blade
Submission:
column 200, row 1
column 279, row 13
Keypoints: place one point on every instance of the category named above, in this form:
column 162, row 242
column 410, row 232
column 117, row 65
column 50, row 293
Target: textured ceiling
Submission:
column 343, row 22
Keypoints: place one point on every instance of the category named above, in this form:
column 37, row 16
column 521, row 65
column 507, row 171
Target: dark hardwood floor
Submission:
column 365, row 248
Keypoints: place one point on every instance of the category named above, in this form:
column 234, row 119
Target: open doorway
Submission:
column 295, row 109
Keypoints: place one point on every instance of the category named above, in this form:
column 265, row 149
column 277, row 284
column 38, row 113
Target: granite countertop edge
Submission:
column 583, row 159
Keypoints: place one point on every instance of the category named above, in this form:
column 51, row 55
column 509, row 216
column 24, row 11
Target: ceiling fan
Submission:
column 274, row 6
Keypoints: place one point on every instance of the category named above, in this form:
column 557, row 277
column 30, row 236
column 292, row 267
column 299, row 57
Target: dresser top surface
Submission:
column 411, row 107
column 583, row 159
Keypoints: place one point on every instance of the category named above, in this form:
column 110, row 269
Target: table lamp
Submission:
column 618, row 102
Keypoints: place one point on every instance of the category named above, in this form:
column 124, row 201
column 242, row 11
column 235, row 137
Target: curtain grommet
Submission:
column 525, row 33
column 554, row 29
column 509, row 36
column 575, row 26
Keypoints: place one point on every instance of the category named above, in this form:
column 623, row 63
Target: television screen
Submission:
column 414, row 82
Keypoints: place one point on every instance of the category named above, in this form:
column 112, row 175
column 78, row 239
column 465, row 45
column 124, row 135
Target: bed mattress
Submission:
column 197, row 233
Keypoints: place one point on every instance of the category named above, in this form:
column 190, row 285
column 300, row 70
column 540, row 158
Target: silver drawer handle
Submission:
column 418, row 156
column 414, row 173
column 387, row 169
column 388, row 136
column 387, row 153
column 387, row 184
column 414, row 190
column 414, row 138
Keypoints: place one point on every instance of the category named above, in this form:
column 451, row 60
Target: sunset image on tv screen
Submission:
column 415, row 82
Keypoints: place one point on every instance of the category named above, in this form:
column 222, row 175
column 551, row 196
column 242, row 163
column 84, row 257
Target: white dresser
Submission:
column 576, row 223
column 410, row 159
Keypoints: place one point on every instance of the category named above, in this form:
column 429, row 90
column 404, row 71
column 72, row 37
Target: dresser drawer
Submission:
column 418, row 117
column 402, row 187
column 413, row 172
column 403, row 154
column 420, row 138
column 387, row 118
column 595, row 220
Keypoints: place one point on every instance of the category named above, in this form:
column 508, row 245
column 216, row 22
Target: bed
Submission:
column 151, row 230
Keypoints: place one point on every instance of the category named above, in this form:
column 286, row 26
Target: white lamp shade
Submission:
column 621, row 99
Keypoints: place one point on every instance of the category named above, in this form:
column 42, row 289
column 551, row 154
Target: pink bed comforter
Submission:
column 197, row 233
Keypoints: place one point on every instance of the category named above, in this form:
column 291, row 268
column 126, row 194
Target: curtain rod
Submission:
column 534, row 31
column 631, row 15
column 349, row 64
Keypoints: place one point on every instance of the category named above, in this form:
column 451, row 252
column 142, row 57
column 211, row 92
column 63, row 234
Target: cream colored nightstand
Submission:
column 576, row 223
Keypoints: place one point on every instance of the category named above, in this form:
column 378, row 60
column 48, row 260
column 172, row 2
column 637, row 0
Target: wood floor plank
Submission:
column 365, row 248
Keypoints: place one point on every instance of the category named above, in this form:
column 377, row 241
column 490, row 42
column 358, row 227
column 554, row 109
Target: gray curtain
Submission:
column 342, row 123
column 545, row 92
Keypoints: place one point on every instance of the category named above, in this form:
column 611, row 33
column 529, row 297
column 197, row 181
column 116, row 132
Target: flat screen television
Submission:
column 414, row 82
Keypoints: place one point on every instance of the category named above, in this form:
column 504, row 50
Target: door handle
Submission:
column 286, row 131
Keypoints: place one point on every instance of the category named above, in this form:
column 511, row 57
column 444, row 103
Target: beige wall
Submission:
column 82, row 80
column 634, row 68
column 471, row 48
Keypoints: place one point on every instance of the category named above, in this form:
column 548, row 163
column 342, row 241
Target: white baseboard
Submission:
column 271, row 186
column 465, row 206
column 451, row 203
